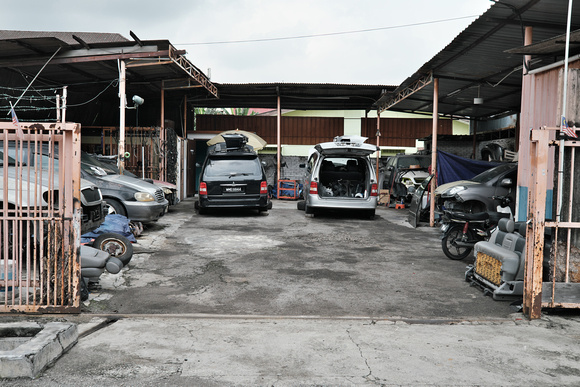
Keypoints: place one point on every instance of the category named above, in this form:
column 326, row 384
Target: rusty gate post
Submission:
column 532, row 300
column 434, row 150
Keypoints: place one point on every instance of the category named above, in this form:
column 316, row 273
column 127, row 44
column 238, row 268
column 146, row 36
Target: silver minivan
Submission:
column 340, row 175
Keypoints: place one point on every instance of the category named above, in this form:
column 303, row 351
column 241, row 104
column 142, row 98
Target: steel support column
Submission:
column 434, row 149
column 378, row 145
column 122, row 107
column 278, row 140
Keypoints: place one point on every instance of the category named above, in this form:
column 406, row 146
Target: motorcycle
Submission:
column 460, row 231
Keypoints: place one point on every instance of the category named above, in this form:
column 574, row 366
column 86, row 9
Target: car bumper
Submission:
column 233, row 202
column 145, row 211
column 316, row 201
column 92, row 217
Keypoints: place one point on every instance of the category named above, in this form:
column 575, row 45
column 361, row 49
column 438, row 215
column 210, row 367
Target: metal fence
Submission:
column 40, row 216
column 562, row 290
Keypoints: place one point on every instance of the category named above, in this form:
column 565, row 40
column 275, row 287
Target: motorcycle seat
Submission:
column 93, row 258
column 470, row 217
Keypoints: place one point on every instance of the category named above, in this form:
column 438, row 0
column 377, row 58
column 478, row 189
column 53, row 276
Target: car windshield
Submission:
column 492, row 173
column 11, row 161
column 232, row 167
column 407, row 162
column 42, row 161
column 91, row 161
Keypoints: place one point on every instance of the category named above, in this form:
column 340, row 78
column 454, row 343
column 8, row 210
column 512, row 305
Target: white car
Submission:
column 340, row 175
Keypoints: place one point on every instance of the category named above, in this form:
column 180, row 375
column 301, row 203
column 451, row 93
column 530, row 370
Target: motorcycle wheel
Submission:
column 450, row 249
column 116, row 245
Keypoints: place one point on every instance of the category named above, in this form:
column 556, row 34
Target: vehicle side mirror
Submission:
column 507, row 182
column 197, row 165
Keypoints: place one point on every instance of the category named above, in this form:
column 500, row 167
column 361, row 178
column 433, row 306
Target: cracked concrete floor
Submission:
column 311, row 301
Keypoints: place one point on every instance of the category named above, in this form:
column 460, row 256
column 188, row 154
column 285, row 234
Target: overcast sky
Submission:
column 241, row 41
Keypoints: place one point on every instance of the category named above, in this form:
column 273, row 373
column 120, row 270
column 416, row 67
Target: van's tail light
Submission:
column 202, row 189
column 313, row 187
column 374, row 190
column 263, row 188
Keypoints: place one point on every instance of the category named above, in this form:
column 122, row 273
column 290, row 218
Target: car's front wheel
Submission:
column 115, row 207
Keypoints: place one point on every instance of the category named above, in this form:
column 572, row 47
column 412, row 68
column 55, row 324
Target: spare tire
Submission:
column 116, row 245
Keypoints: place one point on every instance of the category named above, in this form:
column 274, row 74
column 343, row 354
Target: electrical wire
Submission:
column 325, row 34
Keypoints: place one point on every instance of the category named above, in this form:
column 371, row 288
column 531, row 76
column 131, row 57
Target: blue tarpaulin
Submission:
column 114, row 223
column 452, row 168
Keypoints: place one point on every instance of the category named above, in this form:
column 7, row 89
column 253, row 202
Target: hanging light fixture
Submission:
column 478, row 100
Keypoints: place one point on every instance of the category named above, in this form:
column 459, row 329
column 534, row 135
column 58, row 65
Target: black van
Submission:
column 232, row 176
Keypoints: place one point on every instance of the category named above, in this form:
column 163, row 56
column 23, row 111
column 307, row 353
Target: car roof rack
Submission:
column 235, row 142
column 352, row 139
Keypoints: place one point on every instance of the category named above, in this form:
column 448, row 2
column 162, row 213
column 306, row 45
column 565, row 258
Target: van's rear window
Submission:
column 233, row 167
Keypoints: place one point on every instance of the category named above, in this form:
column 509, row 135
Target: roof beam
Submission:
column 414, row 87
column 193, row 72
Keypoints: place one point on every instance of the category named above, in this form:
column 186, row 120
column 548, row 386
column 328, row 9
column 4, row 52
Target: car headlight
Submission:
column 454, row 190
column 144, row 197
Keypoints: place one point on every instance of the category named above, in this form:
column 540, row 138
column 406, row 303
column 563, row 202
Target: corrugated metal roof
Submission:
column 477, row 62
column 67, row 37
column 87, row 64
column 300, row 96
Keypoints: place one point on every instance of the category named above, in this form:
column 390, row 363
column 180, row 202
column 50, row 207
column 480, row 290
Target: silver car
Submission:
column 340, row 175
column 134, row 198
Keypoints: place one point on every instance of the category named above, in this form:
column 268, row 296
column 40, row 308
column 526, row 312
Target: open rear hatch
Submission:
column 348, row 146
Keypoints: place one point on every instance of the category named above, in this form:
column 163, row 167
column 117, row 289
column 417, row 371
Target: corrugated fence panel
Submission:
column 403, row 131
column 294, row 130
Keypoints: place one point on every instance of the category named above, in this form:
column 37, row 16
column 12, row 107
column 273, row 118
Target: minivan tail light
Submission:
column 313, row 187
column 203, row 189
column 374, row 190
column 263, row 188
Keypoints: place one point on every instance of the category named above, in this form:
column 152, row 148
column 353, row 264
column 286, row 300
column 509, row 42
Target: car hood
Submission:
column 26, row 175
column 131, row 182
column 444, row 187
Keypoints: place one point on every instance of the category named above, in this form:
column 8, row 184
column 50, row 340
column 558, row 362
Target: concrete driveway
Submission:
column 287, row 264
column 284, row 300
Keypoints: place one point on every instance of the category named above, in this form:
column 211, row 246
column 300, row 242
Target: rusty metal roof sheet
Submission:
column 67, row 37
column 477, row 62
column 87, row 64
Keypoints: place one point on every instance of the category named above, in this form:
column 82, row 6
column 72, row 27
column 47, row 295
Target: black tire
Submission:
column 116, row 245
column 301, row 205
column 450, row 249
column 115, row 207
column 202, row 211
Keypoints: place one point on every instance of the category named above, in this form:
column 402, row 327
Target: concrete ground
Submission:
column 283, row 299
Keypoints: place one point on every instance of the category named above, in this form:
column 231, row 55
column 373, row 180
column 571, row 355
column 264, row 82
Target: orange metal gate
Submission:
column 40, row 218
column 558, row 292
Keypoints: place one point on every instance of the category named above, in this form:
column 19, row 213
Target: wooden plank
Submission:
column 532, row 299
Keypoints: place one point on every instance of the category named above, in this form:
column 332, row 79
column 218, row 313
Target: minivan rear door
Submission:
column 354, row 148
